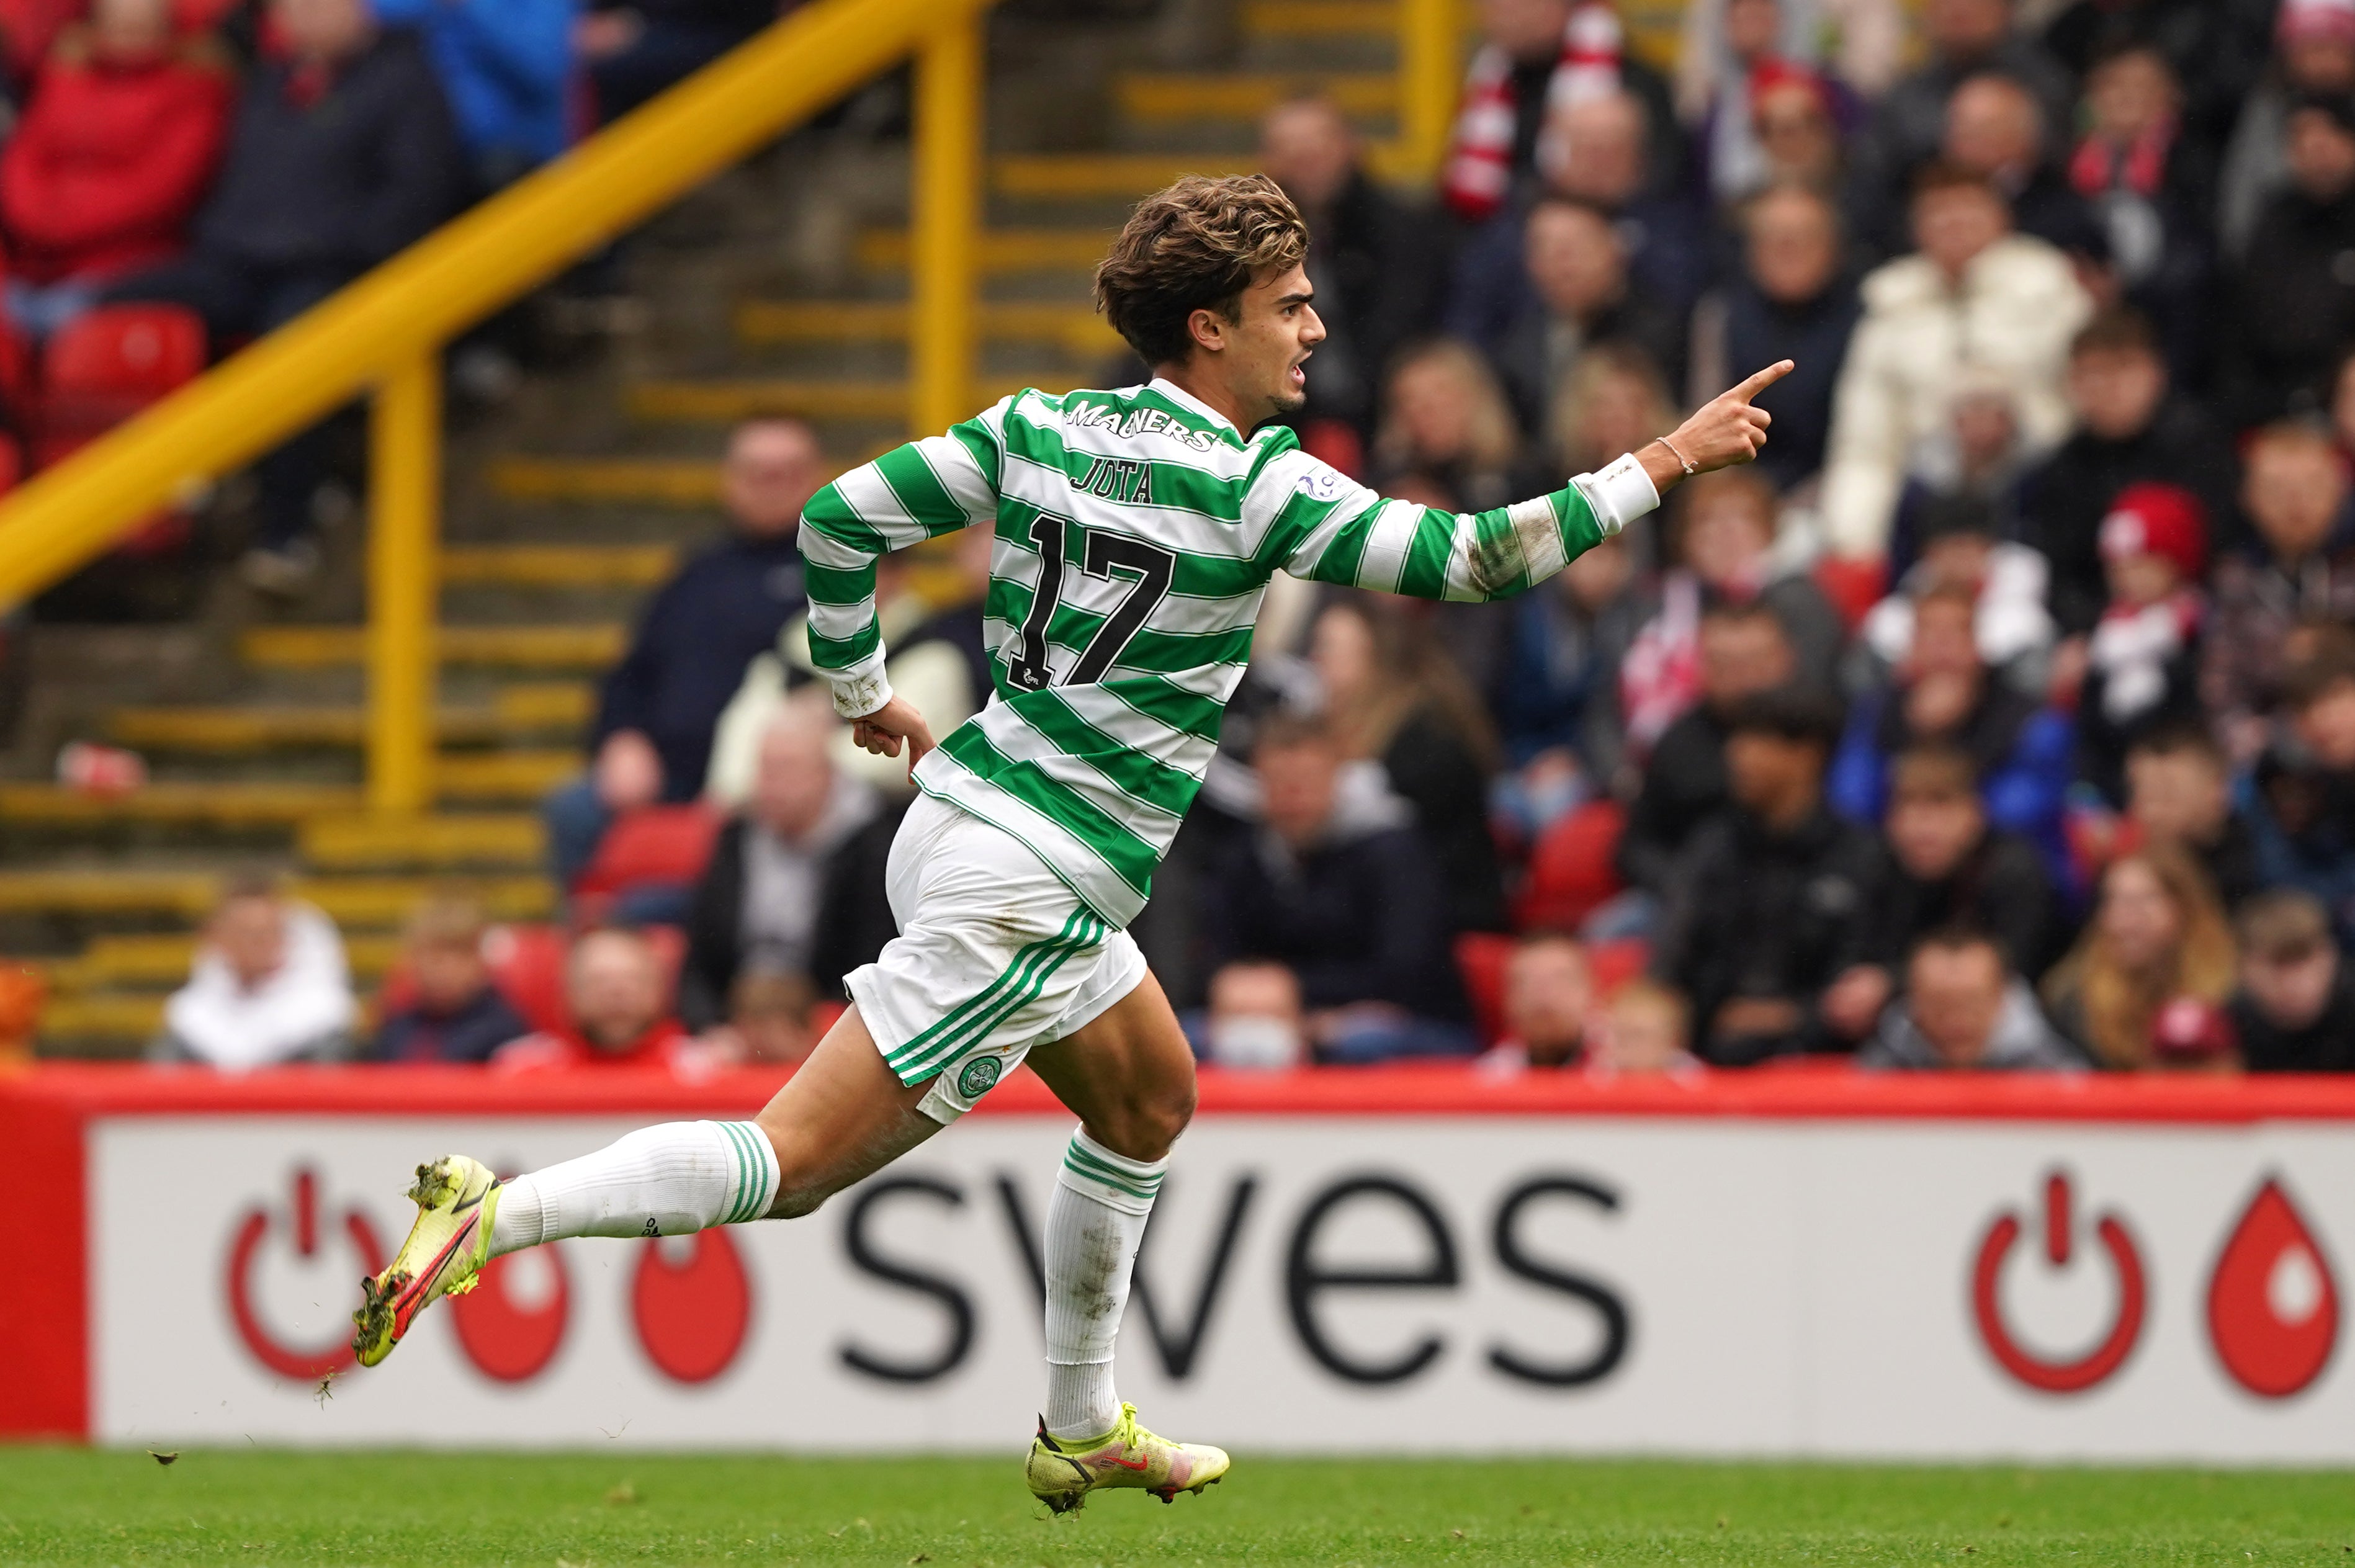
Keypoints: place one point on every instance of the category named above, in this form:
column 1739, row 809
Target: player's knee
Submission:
column 1146, row 1127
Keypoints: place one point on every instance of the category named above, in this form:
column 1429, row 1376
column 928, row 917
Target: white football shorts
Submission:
column 995, row 954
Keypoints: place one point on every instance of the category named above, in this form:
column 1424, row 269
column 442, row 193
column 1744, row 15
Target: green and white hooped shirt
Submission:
column 1136, row 532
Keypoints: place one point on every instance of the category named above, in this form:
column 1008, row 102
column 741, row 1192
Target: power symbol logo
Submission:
column 2044, row 1374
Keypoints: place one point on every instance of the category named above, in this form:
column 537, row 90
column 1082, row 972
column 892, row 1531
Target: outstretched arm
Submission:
column 909, row 495
column 1336, row 530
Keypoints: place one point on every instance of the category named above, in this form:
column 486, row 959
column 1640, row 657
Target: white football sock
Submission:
column 1095, row 1223
column 665, row 1181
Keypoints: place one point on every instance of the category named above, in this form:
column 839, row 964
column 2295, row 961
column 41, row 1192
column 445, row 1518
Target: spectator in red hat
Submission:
column 118, row 145
column 2141, row 662
column 2132, row 423
column 1795, row 119
column 2156, row 939
column 2193, row 1035
column 1733, row 52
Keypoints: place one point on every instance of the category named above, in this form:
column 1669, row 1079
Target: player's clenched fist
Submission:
column 1727, row 430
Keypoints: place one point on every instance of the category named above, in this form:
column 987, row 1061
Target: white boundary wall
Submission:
column 1689, row 1286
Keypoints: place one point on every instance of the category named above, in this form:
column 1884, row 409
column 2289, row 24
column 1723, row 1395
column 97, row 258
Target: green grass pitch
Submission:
column 602, row 1511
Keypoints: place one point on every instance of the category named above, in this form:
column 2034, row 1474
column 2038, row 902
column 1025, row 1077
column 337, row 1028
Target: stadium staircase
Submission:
column 564, row 509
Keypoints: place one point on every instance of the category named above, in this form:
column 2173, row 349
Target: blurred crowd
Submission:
column 180, row 176
column 2002, row 717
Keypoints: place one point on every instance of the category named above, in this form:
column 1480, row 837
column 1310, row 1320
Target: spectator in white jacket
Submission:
column 1974, row 295
column 270, row 985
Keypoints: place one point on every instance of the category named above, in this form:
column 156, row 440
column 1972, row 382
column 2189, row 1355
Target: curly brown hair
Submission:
column 1196, row 245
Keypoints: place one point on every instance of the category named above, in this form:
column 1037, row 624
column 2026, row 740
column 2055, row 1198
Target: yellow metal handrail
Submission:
column 1431, row 74
column 384, row 333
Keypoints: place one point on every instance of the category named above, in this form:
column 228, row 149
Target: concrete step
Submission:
column 506, row 776
column 1161, row 97
column 1317, row 18
column 1070, row 177
column 1652, row 25
column 510, row 777
column 175, row 802
column 650, row 481
column 100, row 1025
column 1002, row 250
column 1076, row 329
column 1128, row 176
column 558, row 566
column 122, row 963
column 501, row 840
column 518, row 712
column 590, row 647
column 375, row 904
column 726, row 401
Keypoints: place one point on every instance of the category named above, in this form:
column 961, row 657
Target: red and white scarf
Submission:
column 2100, row 165
column 1479, row 172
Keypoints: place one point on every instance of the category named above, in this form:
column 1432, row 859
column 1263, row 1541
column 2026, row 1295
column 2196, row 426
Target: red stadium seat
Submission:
column 1480, row 959
column 1572, row 872
column 1614, row 964
column 655, row 846
column 107, row 365
column 201, row 15
column 1854, row 587
column 527, row 964
column 15, row 373
column 27, row 28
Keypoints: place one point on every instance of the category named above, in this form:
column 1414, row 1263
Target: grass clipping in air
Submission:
column 258, row 1506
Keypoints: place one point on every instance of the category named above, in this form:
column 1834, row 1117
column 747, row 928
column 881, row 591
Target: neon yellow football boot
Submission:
column 456, row 1201
column 1061, row 1475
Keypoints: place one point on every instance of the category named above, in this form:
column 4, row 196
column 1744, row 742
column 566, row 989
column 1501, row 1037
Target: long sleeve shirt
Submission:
column 1136, row 532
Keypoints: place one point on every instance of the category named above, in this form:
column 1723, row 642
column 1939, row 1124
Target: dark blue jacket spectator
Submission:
column 1795, row 301
column 335, row 168
column 506, row 67
column 2302, row 820
column 1667, row 253
column 661, row 705
column 2023, row 752
column 700, row 631
column 1558, row 684
column 637, row 50
column 470, row 1034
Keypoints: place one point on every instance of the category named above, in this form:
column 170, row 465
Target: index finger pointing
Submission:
column 1763, row 380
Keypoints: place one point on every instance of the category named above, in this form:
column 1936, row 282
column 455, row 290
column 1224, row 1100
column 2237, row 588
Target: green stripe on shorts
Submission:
column 921, row 1045
column 1040, row 961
